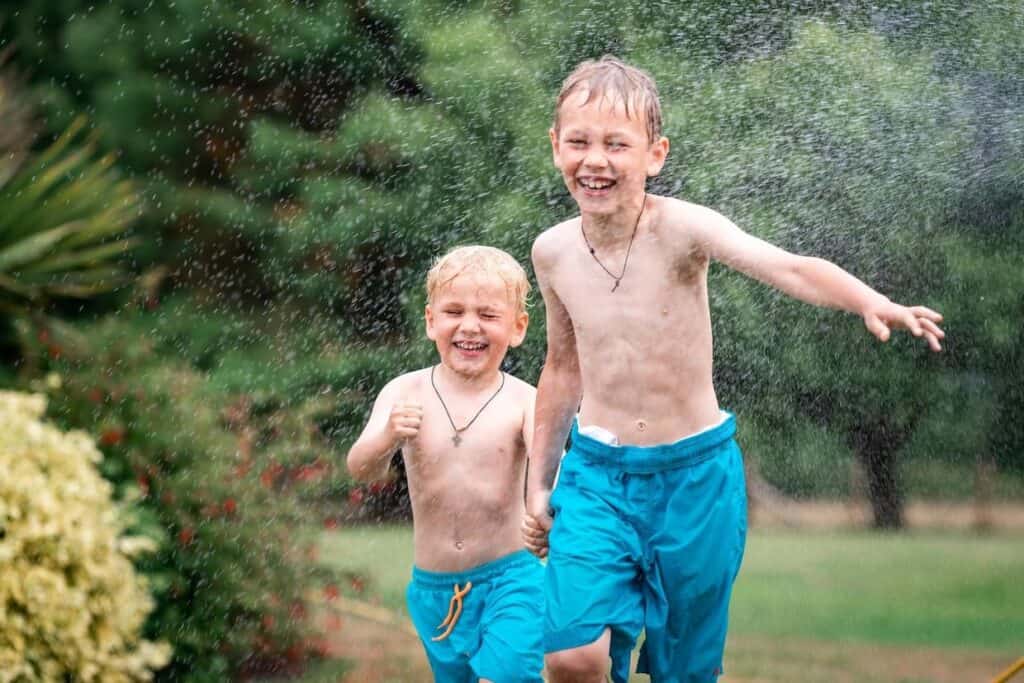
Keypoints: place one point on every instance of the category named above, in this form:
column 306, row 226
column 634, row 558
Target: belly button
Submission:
column 458, row 545
column 641, row 425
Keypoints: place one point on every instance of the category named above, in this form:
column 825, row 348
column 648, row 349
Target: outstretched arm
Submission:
column 558, row 398
column 810, row 279
column 392, row 421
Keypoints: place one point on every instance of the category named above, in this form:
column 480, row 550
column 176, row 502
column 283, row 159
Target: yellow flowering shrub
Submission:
column 71, row 605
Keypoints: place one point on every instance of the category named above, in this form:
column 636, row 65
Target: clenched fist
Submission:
column 404, row 421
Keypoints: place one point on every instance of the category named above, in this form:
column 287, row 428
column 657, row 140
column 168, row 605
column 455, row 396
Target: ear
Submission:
column 428, row 317
column 519, row 329
column 656, row 156
column 553, row 136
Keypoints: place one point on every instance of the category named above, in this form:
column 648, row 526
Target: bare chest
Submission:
column 662, row 289
column 459, row 440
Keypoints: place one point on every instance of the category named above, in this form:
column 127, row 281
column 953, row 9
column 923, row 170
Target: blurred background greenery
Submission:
column 215, row 221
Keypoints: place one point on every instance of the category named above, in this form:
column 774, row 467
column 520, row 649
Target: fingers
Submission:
column 927, row 313
column 535, row 536
column 932, row 328
column 877, row 327
column 405, row 418
column 919, row 320
column 533, row 528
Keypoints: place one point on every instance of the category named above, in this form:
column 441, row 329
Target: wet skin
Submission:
column 467, row 499
column 638, row 361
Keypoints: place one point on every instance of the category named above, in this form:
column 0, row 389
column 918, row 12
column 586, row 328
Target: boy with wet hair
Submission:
column 649, row 512
column 464, row 427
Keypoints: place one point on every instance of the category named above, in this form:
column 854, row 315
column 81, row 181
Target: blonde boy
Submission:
column 476, row 596
column 649, row 511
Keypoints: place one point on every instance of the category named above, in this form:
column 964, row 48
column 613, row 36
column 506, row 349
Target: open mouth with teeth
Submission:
column 596, row 184
column 472, row 347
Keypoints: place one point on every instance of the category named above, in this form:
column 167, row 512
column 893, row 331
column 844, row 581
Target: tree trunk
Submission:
column 876, row 449
column 984, row 482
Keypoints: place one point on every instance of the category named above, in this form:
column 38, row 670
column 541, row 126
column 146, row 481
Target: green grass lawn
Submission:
column 914, row 589
column 937, row 590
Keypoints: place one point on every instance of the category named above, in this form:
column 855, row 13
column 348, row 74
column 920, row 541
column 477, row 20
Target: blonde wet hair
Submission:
column 614, row 80
column 477, row 259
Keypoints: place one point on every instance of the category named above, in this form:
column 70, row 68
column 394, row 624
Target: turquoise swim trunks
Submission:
column 648, row 538
column 493, row 616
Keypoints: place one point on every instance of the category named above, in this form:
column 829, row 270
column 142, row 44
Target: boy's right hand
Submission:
column 537, row 524
column 404, row 422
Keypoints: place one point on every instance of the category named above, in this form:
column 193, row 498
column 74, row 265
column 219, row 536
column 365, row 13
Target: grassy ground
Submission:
column 821, row 605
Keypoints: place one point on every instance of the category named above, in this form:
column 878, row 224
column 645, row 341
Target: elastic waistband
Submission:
column 478, row 574
column 648, row 459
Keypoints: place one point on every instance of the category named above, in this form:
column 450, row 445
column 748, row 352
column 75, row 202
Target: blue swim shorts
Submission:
column 648, row 538
column 498, row 614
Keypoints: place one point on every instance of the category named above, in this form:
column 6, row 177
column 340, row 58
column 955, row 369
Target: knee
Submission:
column 578, row 665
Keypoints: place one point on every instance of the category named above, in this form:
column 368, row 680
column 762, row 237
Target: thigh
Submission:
column 512, row 628
column 592, row 579
column 449, row 663
column 696, row 556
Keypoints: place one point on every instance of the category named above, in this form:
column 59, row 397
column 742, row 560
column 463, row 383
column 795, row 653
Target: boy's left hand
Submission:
column 883, row 316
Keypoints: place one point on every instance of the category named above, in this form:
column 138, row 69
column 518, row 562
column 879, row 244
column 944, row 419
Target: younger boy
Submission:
column 650, row 507
column 476, row 596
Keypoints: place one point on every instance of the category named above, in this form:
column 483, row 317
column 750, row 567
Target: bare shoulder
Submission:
column 687, row 217
column 523, row 392
column 552, row 242
column 408, row 384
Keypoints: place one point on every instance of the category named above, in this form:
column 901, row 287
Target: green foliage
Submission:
column 304, row 165
column 63, row 214
column 63, row 219
column 73, row 606
column 216, row 487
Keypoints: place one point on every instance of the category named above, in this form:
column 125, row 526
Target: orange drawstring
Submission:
column 454, row 610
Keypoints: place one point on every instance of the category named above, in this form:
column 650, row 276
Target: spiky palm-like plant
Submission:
column 64, row 213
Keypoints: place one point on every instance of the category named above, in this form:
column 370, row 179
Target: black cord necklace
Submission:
column 625, row 263
column 457, row 436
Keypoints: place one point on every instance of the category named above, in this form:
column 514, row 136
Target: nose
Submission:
column 595, row 158
column 470, row 323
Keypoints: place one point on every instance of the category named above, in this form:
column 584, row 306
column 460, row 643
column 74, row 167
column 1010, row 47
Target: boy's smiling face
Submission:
column 604, row 154
column 473, row 321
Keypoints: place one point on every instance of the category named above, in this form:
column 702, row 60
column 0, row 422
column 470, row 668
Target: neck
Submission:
column 612, row 229
column 468, row 383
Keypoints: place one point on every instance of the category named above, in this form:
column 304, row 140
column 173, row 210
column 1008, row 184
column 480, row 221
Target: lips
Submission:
column 470, row 346
column 595, row 184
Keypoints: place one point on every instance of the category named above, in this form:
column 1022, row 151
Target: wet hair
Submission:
column 476, row 259
column 614, row 80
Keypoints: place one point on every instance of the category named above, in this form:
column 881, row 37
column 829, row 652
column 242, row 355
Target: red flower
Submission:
column 185, row 536
column 95, row 395
column 330, row 523
column 355, row 496
column 270, row 475
column 357, row 584
column 112, row 436
column 331, row 592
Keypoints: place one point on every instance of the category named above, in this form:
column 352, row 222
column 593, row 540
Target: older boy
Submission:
column 650, row 508
column 476, row 596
